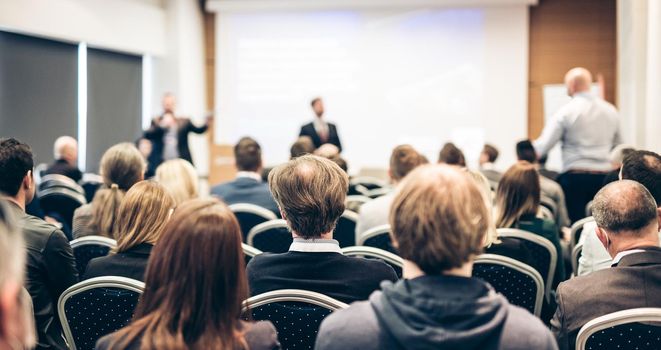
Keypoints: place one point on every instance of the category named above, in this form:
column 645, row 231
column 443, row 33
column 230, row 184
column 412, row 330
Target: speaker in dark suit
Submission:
column 320, row 131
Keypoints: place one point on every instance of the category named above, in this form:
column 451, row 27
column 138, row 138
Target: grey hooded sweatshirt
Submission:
column 434, row 312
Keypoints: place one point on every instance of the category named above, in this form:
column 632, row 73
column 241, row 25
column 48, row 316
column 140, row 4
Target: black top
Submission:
column 246, row 190
column 51, row 269
column 333, row 138
column 62, row 167
column 155, row 134
column 131, row 263
column 346, row 279
column 511, row 248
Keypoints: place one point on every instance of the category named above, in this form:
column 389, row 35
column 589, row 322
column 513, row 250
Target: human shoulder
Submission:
column 261, row 335
column 356, row 327
column 524, row 331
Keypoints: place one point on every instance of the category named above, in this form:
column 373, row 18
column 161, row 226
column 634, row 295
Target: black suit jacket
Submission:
column 131, row 263
column 333, row 138
column 635, row 282
column 246, row 190
column 62, row 167
column 155, row 134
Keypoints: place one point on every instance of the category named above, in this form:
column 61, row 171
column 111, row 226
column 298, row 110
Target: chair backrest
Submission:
column 577, row 230
column 90, row 309
column 575, row 256
column 90, row 184
column 377, row 237
column 626, row 329
column 543, row 255
column 296, row 314
column 250, row 215
column 354, row 202
column 396, row 262
column 545, row 213
column 271, row 236
column 345, row 230
column 521, row 284
column 90, row 247
column 548, row 203
column 61, row 195
column 249, row 252
column 378, row 192
column 368, row 182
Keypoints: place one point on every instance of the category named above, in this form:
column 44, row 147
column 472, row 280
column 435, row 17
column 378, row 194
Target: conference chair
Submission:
column 543, row 254
column 354, row 202
column 575, row 256
column 545, row 213
column 90, row 247
column 378, row 192
column 624, row 330
column 396, row 262
column 272, row 236
column 577, row 230
column 549, row 203
column 364, row 184
column 59, row 196
column 377, row 237
column 90, row 309
column 588, row 208
column 521, row 284
column 296, row 314
column 249, row 252
column 345, row 230
column 250, row 215
column 90, row 184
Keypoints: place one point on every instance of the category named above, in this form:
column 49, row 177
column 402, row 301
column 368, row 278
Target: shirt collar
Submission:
column 624, row 253
column 315, row 245
column 249, row 174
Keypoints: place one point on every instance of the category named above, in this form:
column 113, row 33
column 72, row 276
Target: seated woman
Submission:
column 180, row 179
column 121, row 167
column 195, row 284
column 145, row 211
column 517, row 204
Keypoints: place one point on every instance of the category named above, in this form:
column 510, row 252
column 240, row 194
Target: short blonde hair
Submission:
column 180, row 179
column 485, row 189
column 438, row 218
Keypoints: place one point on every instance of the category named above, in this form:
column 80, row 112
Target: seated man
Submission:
column 248, row 186
column 641, row 166
column 51, row 267
column 628, row 223
column 488, row 157
column 65, row 151
column 439, row 222
column 374, row 213
column 310, row 192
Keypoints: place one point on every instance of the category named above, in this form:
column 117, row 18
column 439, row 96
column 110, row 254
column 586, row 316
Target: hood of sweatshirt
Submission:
column 434, row 312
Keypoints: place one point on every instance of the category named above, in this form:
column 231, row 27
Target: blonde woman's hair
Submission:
column 485, row 190
column 518, row 194
column 145, row 211
column 179, row 177
column 122, row 166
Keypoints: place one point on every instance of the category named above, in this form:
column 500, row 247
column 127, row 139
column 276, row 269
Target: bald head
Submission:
column 578, row 80
column 626, row 207
column 66, row 147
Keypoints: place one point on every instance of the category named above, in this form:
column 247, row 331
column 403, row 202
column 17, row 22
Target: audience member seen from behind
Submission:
column 487, row 159
column 403, row 159
column 179, row 178
column 248, row 186
column 643, row 167
column 438, row 221
column 16, row 325
column 517, row 204
column 452, row 155
column 145, row 211
column 301, row 147
column 194, row 288
column 121, row 167
column 65, row 152
column 51, row 267
column 310, row 192
column 628, row 223
column 617, row 156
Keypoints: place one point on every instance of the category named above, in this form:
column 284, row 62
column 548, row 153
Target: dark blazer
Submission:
column 62, row 167
column 333, row 138
column 131, row 263
column 346, row 279
column 259, row 336
column 155, row 134
column 51, row 269
column 635, row 282
column 246, row 190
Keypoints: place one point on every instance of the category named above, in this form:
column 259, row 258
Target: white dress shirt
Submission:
column 315, row 245
column 249, row 174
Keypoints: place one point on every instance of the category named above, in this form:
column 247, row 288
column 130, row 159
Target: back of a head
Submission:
column 341, row 162
column 195, row 282
column 578, row 79
column 403, row 159
column 145, row 210
column 625, row 206
column 310, row 192
column 438, row 218
column 490, row 152
column 179, row 177
column 301, row 147
column 518, row 194
column 452, row 155
column 619, row 152
column 15, row 162
column 248, row 155
column 526, row 152
column 65, row 147
column 645, row 168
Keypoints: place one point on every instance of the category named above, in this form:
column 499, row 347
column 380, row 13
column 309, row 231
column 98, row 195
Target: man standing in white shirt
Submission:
column 589, row 128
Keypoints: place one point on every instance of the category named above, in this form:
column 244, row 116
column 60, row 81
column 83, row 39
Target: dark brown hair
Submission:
column 301, row 147
column 248, row 154
column 15, row 162
column 518, row 194
column 403, row 159
column 195, row 283
column 451, row 154
column 491, row 152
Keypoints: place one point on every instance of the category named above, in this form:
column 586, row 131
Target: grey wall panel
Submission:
column 38, row 91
